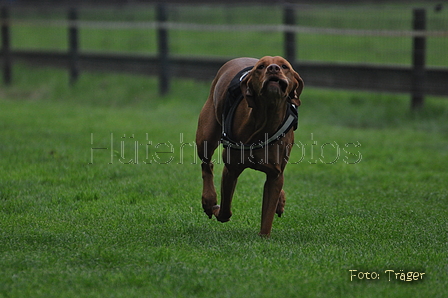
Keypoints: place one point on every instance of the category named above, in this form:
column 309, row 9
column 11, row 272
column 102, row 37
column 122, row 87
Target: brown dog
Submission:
column 258, row 134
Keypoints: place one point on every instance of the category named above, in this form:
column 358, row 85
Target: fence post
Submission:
column 6, row 51
column 289, row 19
column 73, row 45
column 163, row 51
column 418, row 59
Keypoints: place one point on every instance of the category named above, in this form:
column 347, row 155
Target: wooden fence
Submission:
column 417, row 79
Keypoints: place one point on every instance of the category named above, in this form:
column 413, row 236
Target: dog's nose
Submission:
column 273, row 68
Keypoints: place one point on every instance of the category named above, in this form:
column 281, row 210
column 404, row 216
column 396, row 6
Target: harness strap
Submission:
column 291, row 121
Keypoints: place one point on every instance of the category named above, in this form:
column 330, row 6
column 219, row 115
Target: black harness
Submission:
column 233, row 98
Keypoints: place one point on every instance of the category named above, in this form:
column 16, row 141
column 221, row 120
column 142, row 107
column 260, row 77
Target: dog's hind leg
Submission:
column 281, row 203
column 228, row 183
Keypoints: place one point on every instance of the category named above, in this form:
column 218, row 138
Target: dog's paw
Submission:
column 280, row 210
column 219, row 215
column 208, row 212
column 223, row 219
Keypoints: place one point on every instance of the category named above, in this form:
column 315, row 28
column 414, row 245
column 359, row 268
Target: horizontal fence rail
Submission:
column 416, row 79
column 337, row 75
column 241, row 28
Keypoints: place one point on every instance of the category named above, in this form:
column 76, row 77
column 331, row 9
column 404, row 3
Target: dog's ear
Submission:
column 247, row 89
column 294, row 95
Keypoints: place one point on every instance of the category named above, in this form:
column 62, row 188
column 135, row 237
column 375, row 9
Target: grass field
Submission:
column 100, row 189
column 77, row 222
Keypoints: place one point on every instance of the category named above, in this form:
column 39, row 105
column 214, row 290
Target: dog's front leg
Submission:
column 209, row 199
column 208, row 192
column 272, row 191
column 207, row 140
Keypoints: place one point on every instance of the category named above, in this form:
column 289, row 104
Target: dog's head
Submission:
column 272, row 77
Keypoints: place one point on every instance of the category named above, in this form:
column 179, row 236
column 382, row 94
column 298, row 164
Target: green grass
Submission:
column 131, row 225
column 322, row 47
column 74, row 229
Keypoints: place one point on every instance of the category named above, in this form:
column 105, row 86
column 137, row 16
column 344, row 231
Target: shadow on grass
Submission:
column 208, row 234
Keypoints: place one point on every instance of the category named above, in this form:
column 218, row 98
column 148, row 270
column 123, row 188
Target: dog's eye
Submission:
column 284, row 66
column 261, row 66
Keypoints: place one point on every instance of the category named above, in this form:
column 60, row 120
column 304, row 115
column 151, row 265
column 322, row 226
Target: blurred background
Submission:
column 100, row 183
column 367, row 45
